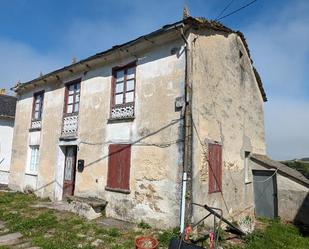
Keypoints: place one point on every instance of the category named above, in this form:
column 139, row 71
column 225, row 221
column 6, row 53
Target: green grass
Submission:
column 50, row 229
column 276, row 235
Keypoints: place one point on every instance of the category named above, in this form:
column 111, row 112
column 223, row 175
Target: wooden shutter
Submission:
column 215, row 168
column 119, row 161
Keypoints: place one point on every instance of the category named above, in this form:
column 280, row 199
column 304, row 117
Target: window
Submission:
column 123, row 92
column 215, row 168
column 119, row 161
column 37, row 106
column 72, row 97
column 34, row 160
column 124, row 86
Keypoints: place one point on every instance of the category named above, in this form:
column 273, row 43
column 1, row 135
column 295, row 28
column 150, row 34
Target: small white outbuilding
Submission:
column 7, row 118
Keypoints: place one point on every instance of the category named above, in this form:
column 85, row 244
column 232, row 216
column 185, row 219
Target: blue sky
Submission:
column 42, row 35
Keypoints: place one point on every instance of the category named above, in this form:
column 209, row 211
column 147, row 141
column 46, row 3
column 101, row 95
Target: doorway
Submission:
column 69, row 170
column 265, row 193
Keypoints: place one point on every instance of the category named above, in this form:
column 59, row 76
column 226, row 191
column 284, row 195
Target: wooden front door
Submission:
column 69, row 170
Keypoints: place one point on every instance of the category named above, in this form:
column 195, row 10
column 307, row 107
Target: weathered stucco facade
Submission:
column 227, row 108
column 156, row 161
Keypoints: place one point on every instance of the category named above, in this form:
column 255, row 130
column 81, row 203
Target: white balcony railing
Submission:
column 123, row 111
column 70, row 125
column 36, row 124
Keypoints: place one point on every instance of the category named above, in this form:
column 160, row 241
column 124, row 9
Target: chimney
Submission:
column 185, row 13
column 2, row 91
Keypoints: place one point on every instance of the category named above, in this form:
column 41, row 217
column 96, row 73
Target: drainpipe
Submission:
column 186, row 201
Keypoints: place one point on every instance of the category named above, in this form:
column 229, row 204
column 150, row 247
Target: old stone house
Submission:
column 112, row 126
column 7, row 116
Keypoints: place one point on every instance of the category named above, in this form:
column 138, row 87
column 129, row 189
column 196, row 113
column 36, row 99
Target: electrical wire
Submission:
column 225, row 8
column 267, row 177
column 239, row 9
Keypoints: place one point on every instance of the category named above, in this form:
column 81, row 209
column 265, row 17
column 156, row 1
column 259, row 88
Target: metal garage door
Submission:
column 265, row 193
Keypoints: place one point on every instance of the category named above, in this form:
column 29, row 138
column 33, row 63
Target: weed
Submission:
column 144, row 225
column 114, row 232
column 276, row 235
column 166, row 236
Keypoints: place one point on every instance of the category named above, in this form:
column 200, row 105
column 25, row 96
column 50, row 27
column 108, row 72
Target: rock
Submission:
column 84, row 210
column 80, row 208
column 114, row 223
column 28, row 190
column 10, row 239
column 97, row 242
column 22, row 245
column 5, row 230
column 2, row 226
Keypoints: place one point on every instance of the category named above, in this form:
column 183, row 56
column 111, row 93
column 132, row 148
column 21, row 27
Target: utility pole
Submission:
column 188, row 130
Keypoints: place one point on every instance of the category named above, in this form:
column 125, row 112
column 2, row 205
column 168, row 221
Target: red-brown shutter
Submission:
column 215, row 167
column 119, row 167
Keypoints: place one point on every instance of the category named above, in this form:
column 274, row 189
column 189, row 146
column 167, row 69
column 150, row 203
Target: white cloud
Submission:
column 278, row 42
column 287, row 132
column 20, row 62
column 89, row 36
column 280, row 49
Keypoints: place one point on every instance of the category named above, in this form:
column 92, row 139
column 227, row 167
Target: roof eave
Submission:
column 296, row 176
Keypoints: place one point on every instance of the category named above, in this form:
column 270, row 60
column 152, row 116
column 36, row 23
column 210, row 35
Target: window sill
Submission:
column 118, row 190
column 31, row 174
column 120, row 120
column 214, row 192
column 34, row 129
column 68, row 138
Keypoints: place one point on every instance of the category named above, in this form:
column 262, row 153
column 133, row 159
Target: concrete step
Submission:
column 97, row 204
column 90, row 208
column 10, row 239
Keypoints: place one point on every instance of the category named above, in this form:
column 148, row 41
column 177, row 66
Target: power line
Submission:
column 225, row 8
column 241, row 8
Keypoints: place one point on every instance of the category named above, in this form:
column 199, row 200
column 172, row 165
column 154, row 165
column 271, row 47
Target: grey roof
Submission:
column 293, row 174
column 7, row 106
column 190, row 21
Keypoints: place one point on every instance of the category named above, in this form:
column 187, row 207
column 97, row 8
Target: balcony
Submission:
column 125, row 111
column 70, row 125
column 36, row 125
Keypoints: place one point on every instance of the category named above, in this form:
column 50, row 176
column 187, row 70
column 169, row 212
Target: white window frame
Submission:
column 31, row 157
